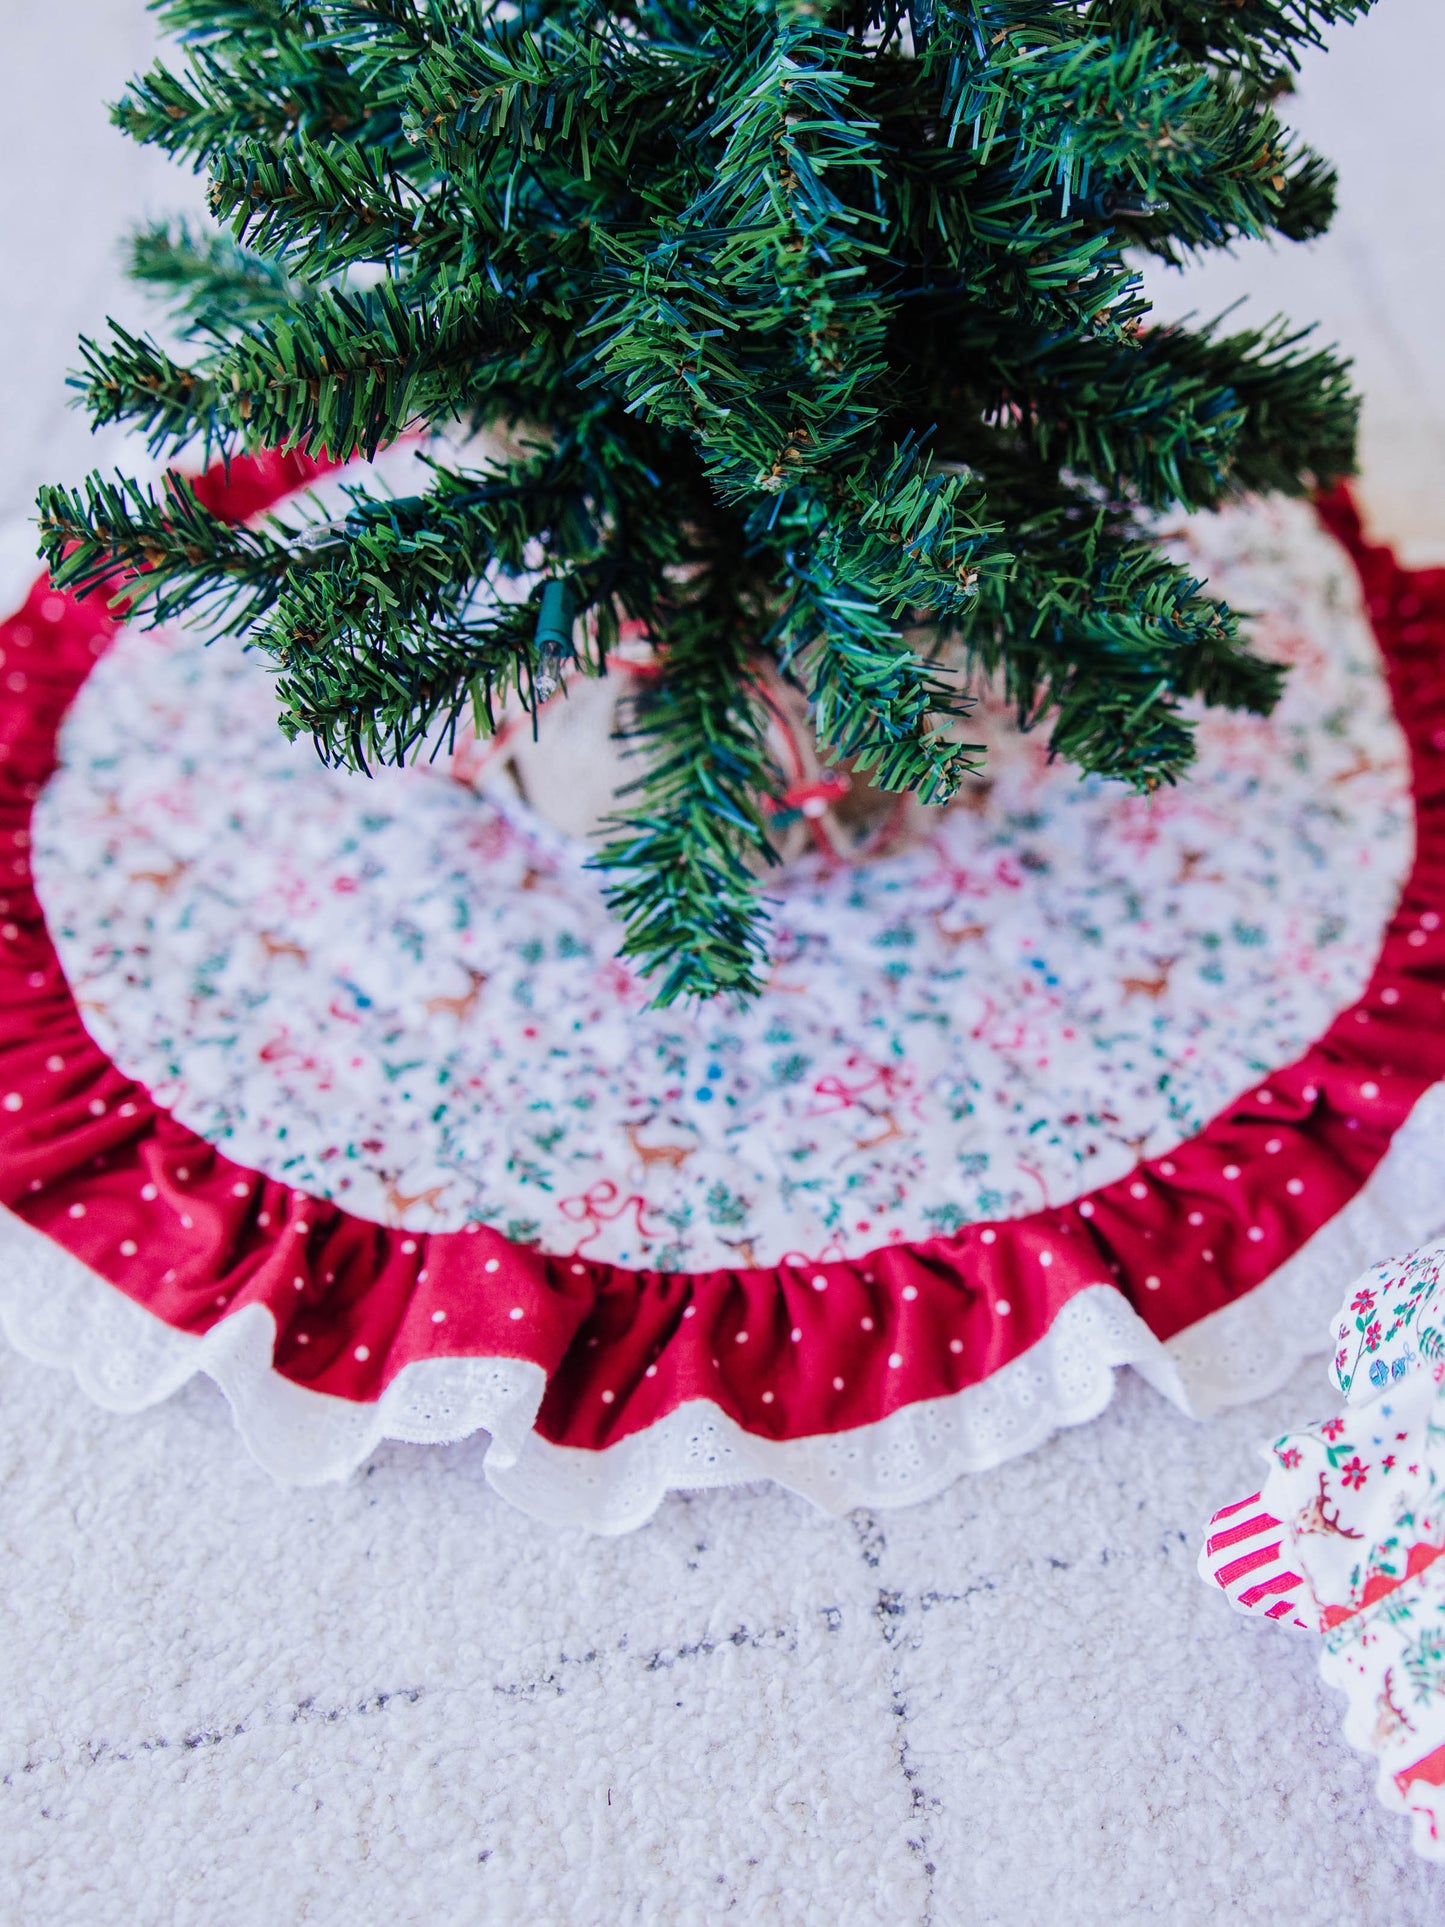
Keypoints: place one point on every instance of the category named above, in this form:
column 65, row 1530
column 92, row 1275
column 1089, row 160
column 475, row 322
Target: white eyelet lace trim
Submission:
column 58, row 1311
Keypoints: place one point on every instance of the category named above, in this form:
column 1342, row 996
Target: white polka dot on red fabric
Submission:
column 579, row 1271
column 9, row 931
column 1273, row 1144
column 52, row 608
column 1207, row 1255
column 492, row 1264
column 422, row 1275
column 1369, row 1090
column 1390, row 995
column 866, row 1323
column 1430, row 920
column 1231, row 1171
column 955, row 1344
column 1265, row 1097
column 439, row 1318
column 13, row 1101
column 895, row 1359
column 240, row 1190
column 837, row 1384
column 1002, row 1307
column 1167, row 1169
column 298, row 1284
column 607, row 1397
column 689, row 1311
column 148, row 1192
column 36, row 979
column 303, row 1230
column 1294, row 1187
column 187, row 1221
column 796, row 1335
column 77, row 1211
column 303, row 1338
column 126, row 1110
column 55, row 1063
column 820, row 1283
column 1310, row 1093
column 128, row 1247
column 515, row 1312
column 97, row 1107
column 1196, row 1217
column 182, row 1173
column 408, row 1245
column 988, row 1235
column 1046, row 1258
column 651, row 1372
column 1086, row 1210
column 361, row 1354
column 1137, row 1190
column 1416, row 938
column 767, row 1398
column 740, row 1338
column 1255, row 1234
column 263, row 1217
column 910, row 1292
column 1151, row 1283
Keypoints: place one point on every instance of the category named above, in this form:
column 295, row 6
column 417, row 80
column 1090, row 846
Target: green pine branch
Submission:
column 682, row 857
column 159, row 550
column 820, row 331
column 340, row 375
column 208, row 282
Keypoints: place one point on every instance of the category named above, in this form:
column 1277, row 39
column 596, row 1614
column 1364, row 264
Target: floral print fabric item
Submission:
column 1358, row 1502
column 403, row 997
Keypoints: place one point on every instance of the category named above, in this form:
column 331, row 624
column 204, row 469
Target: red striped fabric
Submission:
column 1244, row 1556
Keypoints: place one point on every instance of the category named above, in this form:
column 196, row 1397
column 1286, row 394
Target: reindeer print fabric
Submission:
column 1356, row 1504
column 403, row 997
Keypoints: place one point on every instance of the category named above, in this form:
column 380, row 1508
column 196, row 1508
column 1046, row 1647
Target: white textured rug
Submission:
column 401, row 1702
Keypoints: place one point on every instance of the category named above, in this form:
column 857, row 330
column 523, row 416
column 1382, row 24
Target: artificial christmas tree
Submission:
column 817, row 334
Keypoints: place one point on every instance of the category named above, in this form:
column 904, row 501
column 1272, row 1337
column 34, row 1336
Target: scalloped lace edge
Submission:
column 59, row 1312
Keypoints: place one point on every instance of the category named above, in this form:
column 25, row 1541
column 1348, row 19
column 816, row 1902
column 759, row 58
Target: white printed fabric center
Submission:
column 393, row 993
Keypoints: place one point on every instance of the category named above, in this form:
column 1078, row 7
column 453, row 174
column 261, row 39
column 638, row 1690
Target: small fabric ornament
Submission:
column 1347, row 1535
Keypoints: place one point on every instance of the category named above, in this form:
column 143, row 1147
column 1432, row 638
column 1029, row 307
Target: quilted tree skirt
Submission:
column 333, row 1087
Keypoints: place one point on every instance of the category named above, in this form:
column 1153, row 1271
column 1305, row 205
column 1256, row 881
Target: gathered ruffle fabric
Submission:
column 1347, row 1535
column 853, row 1374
